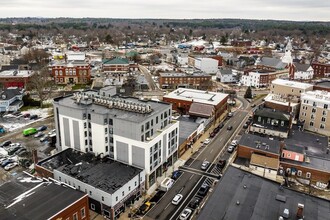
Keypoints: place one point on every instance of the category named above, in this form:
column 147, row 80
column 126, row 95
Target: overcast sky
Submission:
column 298, row 10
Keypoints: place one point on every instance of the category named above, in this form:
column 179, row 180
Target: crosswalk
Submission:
column 216, row 170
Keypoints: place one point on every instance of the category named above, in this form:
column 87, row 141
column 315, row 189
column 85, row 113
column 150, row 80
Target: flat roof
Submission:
column 205, row 97
column 292, row 84
column 317, row 96
column 186, row 128
column 251, row 141
column 322, row 164
column 156, row 106
column 184, row 75
column 14, row 73
column 105, row 174
column 325, row 84
column 257, row 199
column 274, row 98
column 40, row 200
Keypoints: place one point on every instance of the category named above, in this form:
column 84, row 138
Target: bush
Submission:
column 28, row 101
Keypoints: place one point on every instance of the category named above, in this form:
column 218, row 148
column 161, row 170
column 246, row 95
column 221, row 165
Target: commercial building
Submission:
column 262, row 77
column 136, row 132
column 241, row 195
column 110, row 185
column 15, row 77
column 205, row 64
column 321, row 69
column 314, row 111
column 183, row 80
column 287, row 88
column 39, row 199
column 73, row 72
column 197, row 102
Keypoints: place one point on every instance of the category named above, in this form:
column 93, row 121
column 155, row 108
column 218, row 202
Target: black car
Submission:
column 176, row 174
column 246, row 125
column 229, row 127
column 42, row 128
column 216, row 130
column 33, row 117
column 222, row 163
column 5, row 143
column 220, row 126
column 203, row 190
column 194, row 203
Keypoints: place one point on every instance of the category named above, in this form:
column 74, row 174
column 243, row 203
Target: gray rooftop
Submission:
column 186, row 128
column 272, row 62
column 250, row 140
column 44, row 199
column 156, row 106
column 325, row 84
column 257, row 201
column 106, row 174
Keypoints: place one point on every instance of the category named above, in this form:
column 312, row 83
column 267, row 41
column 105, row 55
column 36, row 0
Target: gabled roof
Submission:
column 272, row 113
column 116, row 61
column 9, row 93
column 200, row 109
column 302, row 67
column 272, row 62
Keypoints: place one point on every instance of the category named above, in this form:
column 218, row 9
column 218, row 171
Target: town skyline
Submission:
column 261, row 10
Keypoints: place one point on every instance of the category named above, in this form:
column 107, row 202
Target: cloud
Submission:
column 258, row 9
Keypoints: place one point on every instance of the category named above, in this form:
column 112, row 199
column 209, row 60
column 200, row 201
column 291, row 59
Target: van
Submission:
column 29, row 131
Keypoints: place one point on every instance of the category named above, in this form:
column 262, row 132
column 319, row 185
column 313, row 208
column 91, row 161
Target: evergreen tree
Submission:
column 248, row 93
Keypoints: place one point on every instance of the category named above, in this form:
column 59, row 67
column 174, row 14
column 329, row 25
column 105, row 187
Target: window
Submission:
column 90, row 192
column 326, row 106
column 308, row 175
column 89, row 125
column 324, row 113
column 85, row 133
column 157, row 120
column 75, row 216
column 314, row 104
column 106, row 139
column 288, row 170
column 110, row 121
column 299, row 173
column 323, row 119
column 83, row 213
column 129, row 188
column 116, row 198
column 105, row 130
column 84, row 116
column 105, row 121
column 282, row 123
column 92, row 207
column 313, row 110
column 311, row 124
column 152, row 122
column 102, row 198
column 259, row 119
column 135, row 183
column 111, row 139
column 322, row 126
column 122, row 193
column 142, row 128
column 59, row 178
column 85, row 125
column 89, row 116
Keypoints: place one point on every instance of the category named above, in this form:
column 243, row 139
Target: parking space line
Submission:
column 191, row 176
column 167, row 206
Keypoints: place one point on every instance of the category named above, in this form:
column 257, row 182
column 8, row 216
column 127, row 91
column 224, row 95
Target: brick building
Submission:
column 197, row 102
column 15, row 78
column 74, row 72
column 39, row 199
column 183, row 80
column 321, row 69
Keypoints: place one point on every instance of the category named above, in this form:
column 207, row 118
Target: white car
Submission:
column 52, row 131
column 205, row 165
column 10, row 166
column 207, row 141
column 234, row 143
column 177, row 198
column 185, row 214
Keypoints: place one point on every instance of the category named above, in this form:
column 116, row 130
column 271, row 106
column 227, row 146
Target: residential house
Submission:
column 226, row 76
column 11, row 99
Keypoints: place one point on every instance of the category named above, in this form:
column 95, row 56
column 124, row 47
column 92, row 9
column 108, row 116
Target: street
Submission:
column 192, row 178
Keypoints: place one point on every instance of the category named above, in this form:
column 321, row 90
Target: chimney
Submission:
column 300, row 211
column 35, row 156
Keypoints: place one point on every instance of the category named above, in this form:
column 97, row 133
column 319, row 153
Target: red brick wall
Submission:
column 316, row 175
column 43, row 172
column 74, row 208
column 246, row 152
column 320, row 69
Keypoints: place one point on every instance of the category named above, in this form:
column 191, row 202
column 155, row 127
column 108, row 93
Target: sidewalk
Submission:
column 180, row 162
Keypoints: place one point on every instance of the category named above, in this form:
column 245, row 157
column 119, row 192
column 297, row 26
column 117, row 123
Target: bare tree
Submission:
column 41, row 83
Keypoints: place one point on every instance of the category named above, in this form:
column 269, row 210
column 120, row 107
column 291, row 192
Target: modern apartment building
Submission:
column 286, row 87
column 132, row 131
column 314, row 111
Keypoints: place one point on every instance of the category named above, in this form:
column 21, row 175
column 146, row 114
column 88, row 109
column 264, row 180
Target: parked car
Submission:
column 5, row 143
column 10, row 166
column 207, row 141
column 20, row 150
column 222, row 163
column 176, row 174
column 44, row 138
column 230, row 149
column 212, row 135
column 234, row 143
column 26, row 115
column 145, row 208
column 194, row 203
column 6, row 162
column 52, row 132
column 3, row 159
column 220, row 126
column 216, row 130
column 13, row 150
column 205, row 165
column 230, row 114
column 33, row 117
column 185, row 214
column 253, row 105
column 177, row 198
column 42, row 128
column 203, row 190
column 245, row 126
column 229, row 127
column 23, row 153
column 29, row 131
column 39, row 134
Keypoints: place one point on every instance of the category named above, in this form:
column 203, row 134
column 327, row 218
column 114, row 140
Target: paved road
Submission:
column 190, row 181
column 147, row 75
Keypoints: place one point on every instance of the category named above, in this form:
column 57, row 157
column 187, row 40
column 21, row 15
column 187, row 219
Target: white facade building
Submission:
column 207, row 65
